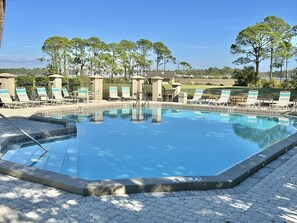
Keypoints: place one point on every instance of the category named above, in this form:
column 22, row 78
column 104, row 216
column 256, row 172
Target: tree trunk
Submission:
column 271, row 63
column 92, row 69
column 2, row 15
column 125, row 72
column 257, row 67
column 286, row 68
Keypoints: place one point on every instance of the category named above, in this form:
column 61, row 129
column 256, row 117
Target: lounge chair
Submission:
column 58, row 96
column 83, row 94
column 197, row 97
column 126, row 93
column 113, row 93
column 23, row 97
column 283, row 101
column 251, row 99
column 43, row 96
column 66, row 93
column 7, row 101
column 224, row 98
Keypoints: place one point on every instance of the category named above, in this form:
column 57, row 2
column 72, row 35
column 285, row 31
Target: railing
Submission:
column 26, row 134
column 146, row 102
column 137, row 102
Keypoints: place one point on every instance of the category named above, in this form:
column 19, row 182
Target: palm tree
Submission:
column 2, row 14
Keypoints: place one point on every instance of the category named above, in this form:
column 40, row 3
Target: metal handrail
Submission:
column 26, row 134
column 146, row 100
column 137, row 102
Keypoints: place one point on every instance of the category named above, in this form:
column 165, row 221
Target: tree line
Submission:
column 23, row 71
column 186, row 70
column 92, row 56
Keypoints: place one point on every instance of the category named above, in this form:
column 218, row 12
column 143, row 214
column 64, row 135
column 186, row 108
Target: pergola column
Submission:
column 7, row 81
column 96, row 85
column 56, row 81
column 157, row 88
column 137, row 85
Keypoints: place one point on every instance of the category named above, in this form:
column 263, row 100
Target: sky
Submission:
column 199, row 32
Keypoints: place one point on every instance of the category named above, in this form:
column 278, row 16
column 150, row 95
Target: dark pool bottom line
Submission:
column 226, row 179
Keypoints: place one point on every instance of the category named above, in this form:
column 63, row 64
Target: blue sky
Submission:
column 196, row 31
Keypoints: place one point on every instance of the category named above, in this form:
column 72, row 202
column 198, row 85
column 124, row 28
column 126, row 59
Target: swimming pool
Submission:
column 154, row 143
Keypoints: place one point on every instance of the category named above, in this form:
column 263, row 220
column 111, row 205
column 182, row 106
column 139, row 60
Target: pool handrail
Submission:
column 25, row 133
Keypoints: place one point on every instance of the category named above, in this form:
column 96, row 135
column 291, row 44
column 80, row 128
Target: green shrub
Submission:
column 286, row 84
column 263, row 83
column 27, row 82
column 245, row 77
column 270, row 83
column 294, row 78
column 42, row 81
column 116, row 80
column 78, row 82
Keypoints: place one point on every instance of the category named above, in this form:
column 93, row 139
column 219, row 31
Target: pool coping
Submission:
column 227, row 179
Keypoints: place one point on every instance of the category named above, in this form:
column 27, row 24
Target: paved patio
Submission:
column 270, row 195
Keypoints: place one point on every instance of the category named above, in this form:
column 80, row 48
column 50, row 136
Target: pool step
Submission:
column 56, row 157
column 70, row 163
column 24, row 155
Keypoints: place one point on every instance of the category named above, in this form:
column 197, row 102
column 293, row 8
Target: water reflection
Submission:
column 263, row 138
column 257, row 129
column 97, row 117
column 157, row 115
column 138, row 115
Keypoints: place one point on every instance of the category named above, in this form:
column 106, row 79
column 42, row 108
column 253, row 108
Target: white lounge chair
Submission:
column 22, row 95
column 197, row 97
column 83, row 94
column 126, row 95
column 283, row 101
column 252, row 99
column 8, row 102
column 57, row 94
column 43, row 96
column 113, row 93
column 224, row 98
column 66, row 93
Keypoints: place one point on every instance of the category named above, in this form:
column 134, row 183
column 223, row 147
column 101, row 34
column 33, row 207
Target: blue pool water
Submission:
column 126, row 143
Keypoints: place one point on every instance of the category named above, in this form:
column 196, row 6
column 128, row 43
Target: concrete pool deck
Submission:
column 269, row 195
